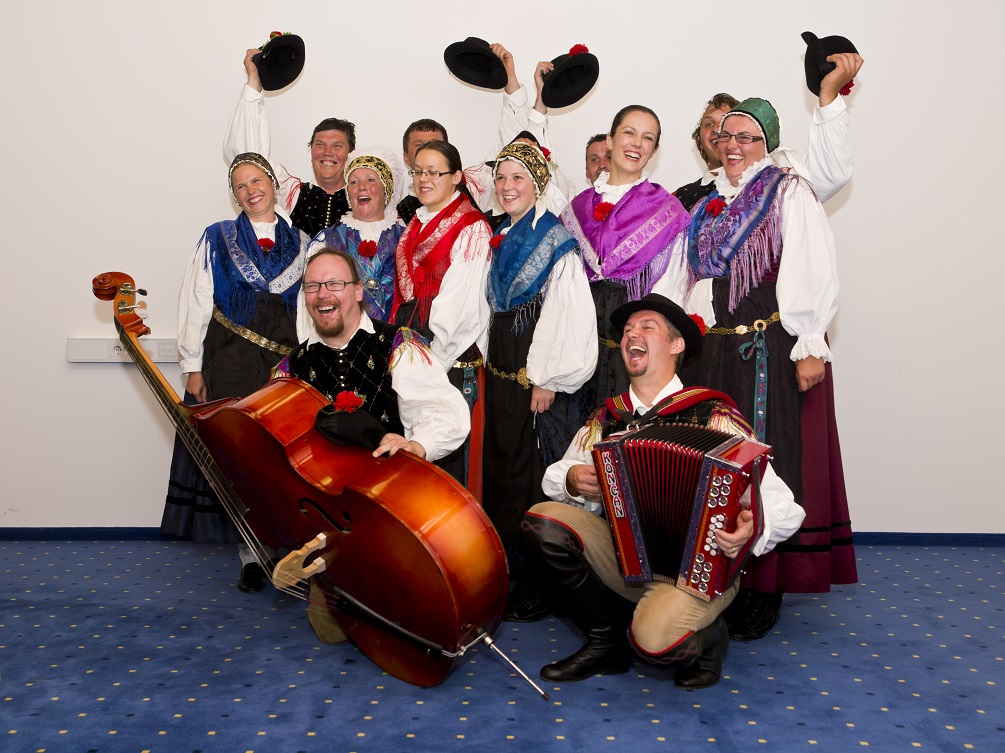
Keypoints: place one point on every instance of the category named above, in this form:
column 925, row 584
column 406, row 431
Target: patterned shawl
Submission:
column 423, row 254
column 742, row 241
column 632, row 244
column 242, row 271
column 522, row 262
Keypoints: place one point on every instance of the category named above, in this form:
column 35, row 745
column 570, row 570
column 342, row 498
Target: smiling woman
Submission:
column 441, row 265
column 375, row 179
column 760, row 267
column 626, row 228
column 236, row 320
column 539, row 352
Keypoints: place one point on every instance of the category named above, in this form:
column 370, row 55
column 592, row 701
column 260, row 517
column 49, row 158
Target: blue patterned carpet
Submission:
column 148, row 646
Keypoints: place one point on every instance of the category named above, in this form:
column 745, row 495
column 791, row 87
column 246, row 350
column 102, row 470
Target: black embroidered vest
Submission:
column 692, row 193
column 362, row 366
column 317, row 210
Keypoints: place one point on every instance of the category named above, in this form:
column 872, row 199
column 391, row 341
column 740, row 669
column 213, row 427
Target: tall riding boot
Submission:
column 711, row 644
column 555, row 554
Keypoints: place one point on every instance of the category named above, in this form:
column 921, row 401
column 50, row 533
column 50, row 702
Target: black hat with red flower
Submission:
column 815, row 61
column 473, row 62
column 572, row 78
column 280, row 61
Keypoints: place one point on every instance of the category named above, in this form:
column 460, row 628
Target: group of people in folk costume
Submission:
column 499, row 298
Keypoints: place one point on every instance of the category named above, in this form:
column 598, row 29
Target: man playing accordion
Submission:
column 571, row 546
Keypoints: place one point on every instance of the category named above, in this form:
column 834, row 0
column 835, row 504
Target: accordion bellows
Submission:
column 667, row 489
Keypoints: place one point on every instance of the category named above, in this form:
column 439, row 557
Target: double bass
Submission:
column 408, row 562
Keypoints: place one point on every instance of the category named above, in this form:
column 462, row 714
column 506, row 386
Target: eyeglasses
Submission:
column 741, row 138
column 333, row 285
column 434, row 174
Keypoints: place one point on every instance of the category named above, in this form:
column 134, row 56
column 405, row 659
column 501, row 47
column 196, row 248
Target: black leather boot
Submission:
column 555, row 555
column 760, row 613
column 712, row 645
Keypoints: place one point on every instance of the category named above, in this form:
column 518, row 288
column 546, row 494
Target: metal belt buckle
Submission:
column 760, row 325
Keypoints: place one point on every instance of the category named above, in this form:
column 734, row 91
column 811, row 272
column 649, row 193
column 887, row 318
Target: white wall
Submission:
column 114, row 114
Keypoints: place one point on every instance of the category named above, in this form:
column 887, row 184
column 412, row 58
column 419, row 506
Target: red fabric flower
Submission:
column 546, row 152
column 601, row 211
column 495, row 240
column 846, row 89
column 275, row 34
column 266, row 244
column 367, row 248
column 347, row 402
column 715, row 207
column 700, row 322
column 578, row 49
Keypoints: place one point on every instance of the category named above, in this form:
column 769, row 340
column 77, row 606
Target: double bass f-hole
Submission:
column 340, row 527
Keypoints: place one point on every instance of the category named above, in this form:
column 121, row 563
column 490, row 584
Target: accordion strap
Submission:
column 621, row 406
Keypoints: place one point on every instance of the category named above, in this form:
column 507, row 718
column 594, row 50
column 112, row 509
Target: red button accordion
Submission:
column 667, row 489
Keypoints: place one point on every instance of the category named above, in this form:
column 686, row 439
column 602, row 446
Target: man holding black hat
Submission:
column 312, row 208
column 572, row 546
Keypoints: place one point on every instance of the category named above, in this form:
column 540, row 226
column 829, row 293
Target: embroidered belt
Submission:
column 468, row 364
column 609, row 343
column 520, row 377
column 247, row 334
column 758, row 326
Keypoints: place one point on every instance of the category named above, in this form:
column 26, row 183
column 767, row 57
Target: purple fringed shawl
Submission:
column 633, row 244
column 744, row 241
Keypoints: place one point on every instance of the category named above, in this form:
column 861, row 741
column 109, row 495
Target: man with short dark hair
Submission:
column 598, row 157
column 571, row 546
column 311, row 207
column 419, row 133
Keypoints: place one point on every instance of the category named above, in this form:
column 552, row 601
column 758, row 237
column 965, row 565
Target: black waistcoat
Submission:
column 692, row 193
column 317, row 210
column 361, row 366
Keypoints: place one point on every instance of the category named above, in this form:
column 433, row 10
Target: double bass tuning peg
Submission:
column 140, row 308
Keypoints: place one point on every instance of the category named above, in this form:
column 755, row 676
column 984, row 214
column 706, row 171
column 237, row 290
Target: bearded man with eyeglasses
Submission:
column 388, row 370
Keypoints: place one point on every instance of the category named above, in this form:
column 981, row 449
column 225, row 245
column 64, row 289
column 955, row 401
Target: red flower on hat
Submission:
column 266, row 244
column 367, row 248
column 495, row 241
column 700, row 322
column 846, row 89
column 275, row 34
column 546, row 152
column 601, row 211
column 578, row 49
column 715, row 207
column 347, row 402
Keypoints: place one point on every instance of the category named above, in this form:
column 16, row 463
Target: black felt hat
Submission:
column 473, row 62
column 687, row 327
column 280, row 61
column 349, row 427
column 574, row 75
column 815, row 60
